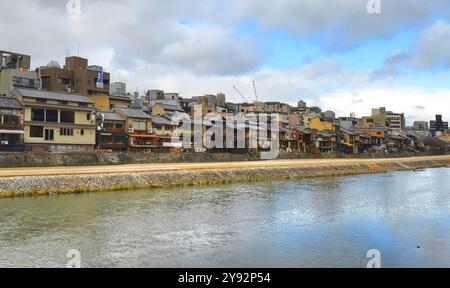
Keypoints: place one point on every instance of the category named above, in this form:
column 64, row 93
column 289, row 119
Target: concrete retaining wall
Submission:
column 44, row 185
column 45, row 159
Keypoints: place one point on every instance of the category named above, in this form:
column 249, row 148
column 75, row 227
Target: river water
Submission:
column 327, row 222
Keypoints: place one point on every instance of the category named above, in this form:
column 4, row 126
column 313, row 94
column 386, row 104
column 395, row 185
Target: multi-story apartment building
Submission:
column 76, row 76
column 421, row 126
column 383, row 118
column 118, row 89
column 15, row 72
column 159, row 97
column 55, row 121
column 438, row 126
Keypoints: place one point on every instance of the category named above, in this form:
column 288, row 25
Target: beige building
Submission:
column 55, row 121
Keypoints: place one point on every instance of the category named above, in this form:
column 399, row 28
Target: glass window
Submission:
column 49, row 134
column 88, row 116
column 37, row 114
column 67, row 117
column 36, row 131
column 51, row 116
column 66, row 132
column 139, row 125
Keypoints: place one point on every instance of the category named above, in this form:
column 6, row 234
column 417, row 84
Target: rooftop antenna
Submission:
column 78, row 48
column 67, row 52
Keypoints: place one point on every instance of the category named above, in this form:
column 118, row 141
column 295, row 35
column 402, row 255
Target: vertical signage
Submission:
column 100, row 80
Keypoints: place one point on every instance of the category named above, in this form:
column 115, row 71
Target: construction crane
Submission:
column 240, row 94
column 256, row 93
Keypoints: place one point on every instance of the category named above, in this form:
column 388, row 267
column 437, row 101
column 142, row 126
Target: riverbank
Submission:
column 46, row 159
column 16, row 182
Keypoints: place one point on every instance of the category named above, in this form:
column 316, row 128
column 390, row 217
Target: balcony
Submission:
column 11, row 126
column 114, row 130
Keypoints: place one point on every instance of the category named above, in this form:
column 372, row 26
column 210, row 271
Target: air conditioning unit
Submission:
column 154, row 130
column 130, row 130
column 150, row 131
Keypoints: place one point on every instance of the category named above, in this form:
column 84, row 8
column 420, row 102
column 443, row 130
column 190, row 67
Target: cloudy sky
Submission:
column 331, row 53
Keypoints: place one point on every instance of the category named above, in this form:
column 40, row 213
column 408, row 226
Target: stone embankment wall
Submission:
column 45, row 185
column 44, row 159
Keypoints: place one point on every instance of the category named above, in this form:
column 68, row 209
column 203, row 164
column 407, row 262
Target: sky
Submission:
column 333, row 54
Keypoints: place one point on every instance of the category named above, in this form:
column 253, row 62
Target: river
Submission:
column 326, row 222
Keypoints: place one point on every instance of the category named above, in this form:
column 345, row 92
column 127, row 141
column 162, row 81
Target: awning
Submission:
column 19, row 132
column 142, row 136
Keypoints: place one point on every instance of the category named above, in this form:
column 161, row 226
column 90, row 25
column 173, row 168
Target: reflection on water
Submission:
column 329, row 222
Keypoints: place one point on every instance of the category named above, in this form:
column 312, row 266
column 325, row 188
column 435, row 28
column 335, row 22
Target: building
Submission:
column 118, row 89
column 138, row 125
column 76, row 76
column 438, row 126
column 11, row 125
column 163, row 109
column 56, row 121
column 12, row 60
column 396, row 121
column 159, row 97
column 111, row 132
column 421, row 126
column 383, row 118
column 15, row 72
column 106, row 103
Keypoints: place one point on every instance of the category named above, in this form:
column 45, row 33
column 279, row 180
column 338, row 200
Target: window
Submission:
column 49, row 134
column 67, row 117
column 139, row 125
column 88, row 116
column 66, row 132
column 51, row 116
column 119, row 126
column 45, row 82
column 63, row 102
column 64, row 81
column 36, row 131
column 82, row 132
column 83, row 104
column 37, row 114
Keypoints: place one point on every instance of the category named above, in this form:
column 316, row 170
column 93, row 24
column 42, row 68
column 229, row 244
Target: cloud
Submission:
column 135, row 30
column 430, row 51
column 341, row 24
column 212, row 50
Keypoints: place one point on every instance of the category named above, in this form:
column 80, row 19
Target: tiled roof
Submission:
column 50, row 95
column 133, row 113
column 170, row 107
column 111, row 116
column 9, row 103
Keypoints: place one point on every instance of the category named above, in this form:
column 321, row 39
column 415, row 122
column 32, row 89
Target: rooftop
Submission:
column 9, row 103
column 133, row 113
column 50, row 95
